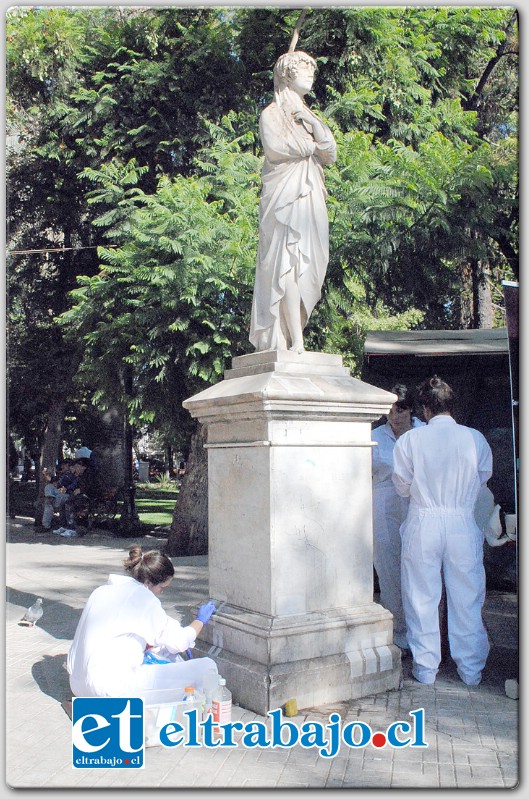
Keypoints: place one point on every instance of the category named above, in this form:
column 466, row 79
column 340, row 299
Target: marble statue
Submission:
column 293, row 222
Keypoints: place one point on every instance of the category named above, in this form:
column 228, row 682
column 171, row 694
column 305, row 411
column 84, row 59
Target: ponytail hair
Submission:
column 436, row 395
column 148, row 567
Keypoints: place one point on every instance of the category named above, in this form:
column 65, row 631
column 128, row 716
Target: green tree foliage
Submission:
column 137, row 130
column 157, row 76
column 86, row 87
column 172, row 300
column 46, row 218
column 433, row 91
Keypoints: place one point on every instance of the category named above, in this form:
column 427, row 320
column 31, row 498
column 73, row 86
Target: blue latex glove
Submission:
column 205, row 612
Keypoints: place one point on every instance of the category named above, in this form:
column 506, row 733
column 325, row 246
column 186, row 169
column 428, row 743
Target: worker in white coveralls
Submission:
column 390, row 509
column 125, row 642
column 442, row 467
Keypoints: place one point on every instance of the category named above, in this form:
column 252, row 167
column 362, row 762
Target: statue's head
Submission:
column 288, row 65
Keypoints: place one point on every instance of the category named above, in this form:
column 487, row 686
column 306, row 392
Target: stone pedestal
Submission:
column 290, row 532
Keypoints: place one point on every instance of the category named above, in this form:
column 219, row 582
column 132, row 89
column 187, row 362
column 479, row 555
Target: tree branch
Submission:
column 501, row 52
column 297, row 31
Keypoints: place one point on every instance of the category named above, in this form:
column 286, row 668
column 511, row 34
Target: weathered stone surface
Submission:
column 290, row 531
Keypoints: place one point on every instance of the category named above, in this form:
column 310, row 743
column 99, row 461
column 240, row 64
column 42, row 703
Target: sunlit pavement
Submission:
column 472, row 733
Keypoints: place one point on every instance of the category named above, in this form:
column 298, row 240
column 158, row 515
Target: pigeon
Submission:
column 33, row 614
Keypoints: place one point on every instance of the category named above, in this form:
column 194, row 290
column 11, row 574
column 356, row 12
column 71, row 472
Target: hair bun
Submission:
column 135, row 554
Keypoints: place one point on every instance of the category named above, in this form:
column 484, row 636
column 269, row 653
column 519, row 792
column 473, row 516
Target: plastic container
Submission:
column 221, row 704
column 163, row 706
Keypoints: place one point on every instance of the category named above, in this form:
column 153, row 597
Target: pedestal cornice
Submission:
column 283, row 385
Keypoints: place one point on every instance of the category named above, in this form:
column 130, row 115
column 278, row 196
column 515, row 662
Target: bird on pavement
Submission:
column 33, row 614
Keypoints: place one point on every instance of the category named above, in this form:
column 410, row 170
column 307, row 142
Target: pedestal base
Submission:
column 315, row 658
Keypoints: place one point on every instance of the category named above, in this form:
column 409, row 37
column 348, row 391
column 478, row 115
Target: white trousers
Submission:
column 389, row 512
column 107, row 681
column 437, row 544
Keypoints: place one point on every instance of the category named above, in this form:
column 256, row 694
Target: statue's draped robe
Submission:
column 293, row 222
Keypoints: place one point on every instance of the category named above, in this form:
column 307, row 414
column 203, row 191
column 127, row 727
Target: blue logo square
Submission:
column 107, row 732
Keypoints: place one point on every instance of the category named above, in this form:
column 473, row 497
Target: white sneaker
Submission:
column 68, row 534
column 58, row 531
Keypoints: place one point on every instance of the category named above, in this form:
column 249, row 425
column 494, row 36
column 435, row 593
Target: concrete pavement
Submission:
column 472, row 734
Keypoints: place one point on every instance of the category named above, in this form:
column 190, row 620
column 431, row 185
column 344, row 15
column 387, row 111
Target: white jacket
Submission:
column 442, row 465
column 120, row 620
column 383, row 452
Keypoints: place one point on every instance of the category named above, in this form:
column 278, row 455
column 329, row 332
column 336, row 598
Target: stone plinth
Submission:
column 290, row 532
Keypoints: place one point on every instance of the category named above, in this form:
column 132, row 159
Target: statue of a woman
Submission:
column 293, row 223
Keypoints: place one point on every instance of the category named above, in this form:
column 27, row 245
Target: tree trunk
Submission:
column 483, row 313
column 189, row 529
column 475, row 303
column 50, row 447
column 129, row 521
column 109, row 449
column 67, row 362
column 170, row 460
column 466, row 297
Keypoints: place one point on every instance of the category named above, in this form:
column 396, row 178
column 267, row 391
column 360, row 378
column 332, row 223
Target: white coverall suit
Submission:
column 120, row 620
column 442, row 467
column 389, row 512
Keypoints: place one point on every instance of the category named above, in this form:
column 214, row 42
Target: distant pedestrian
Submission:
column 56, row 498
column 442, row 467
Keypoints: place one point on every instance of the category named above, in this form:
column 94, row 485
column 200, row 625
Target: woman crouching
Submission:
column 124, row 624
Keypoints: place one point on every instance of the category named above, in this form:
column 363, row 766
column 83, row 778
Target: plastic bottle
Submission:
column 221, row 704
column 210, row 685
column 189, row 694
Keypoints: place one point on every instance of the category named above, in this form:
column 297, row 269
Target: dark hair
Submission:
column 82, row 462
column 436, row 395
column 405, row 396
column 148, row 567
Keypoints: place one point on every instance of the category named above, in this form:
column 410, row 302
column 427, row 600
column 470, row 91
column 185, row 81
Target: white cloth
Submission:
column 120, row 620
column 488, row 518
column 293, row 221
column 442, row 467
column 389, row 512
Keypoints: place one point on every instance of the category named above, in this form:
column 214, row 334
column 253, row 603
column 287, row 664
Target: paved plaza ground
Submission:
column 472, row 734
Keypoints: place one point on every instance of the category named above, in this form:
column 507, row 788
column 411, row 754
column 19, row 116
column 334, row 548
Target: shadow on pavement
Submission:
column 22, row 530
column 52, row 678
